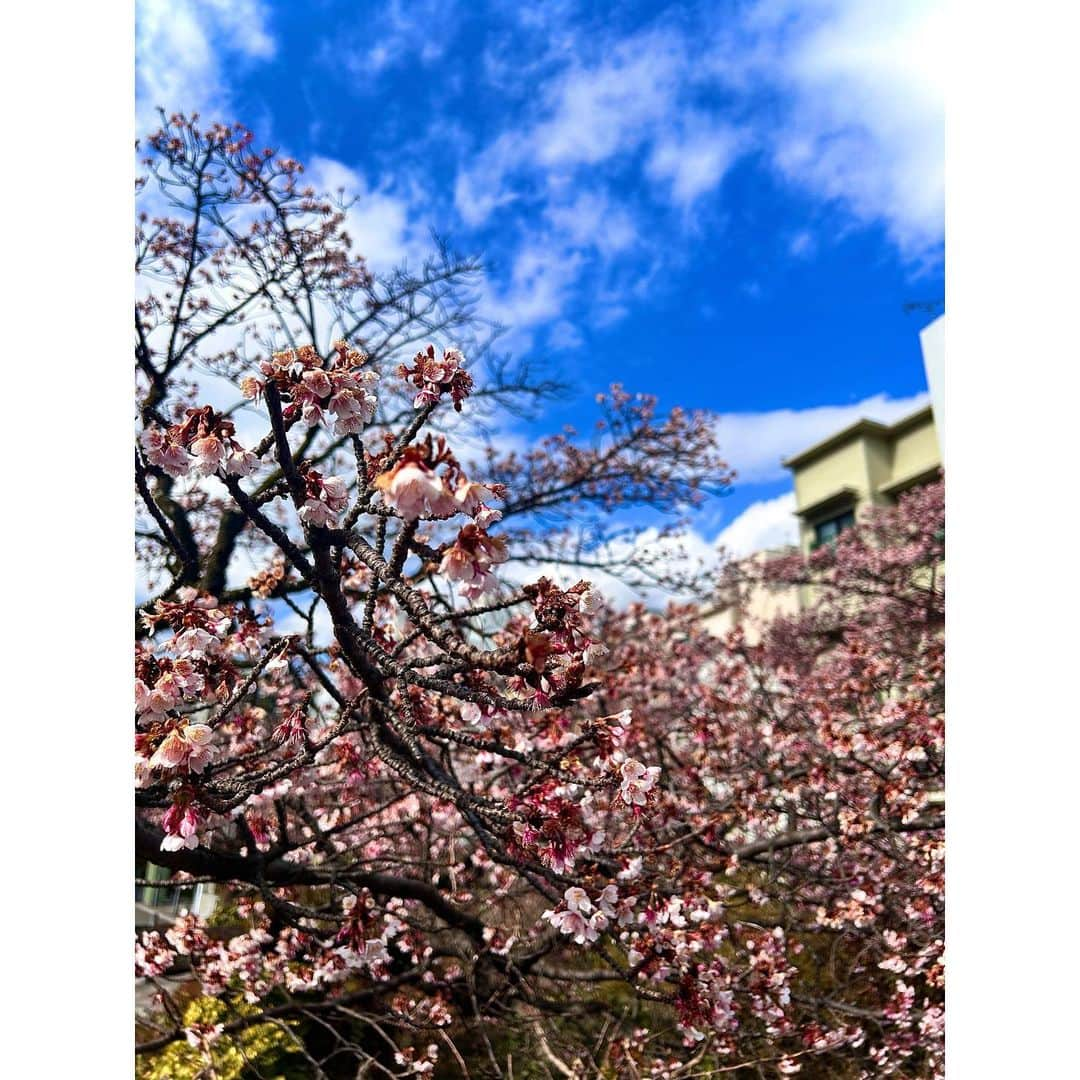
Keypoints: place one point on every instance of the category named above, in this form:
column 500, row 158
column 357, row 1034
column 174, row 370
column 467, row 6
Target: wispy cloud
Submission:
column 668, row 556
column 769, row 523
column 859, row 92
column 395, row 35
column 580, row 234
column 843, row 99
column 595, row 112
column 754, row 443
column 590, row 218
column 381, row 222
column 182, row 50
column 565, row 336
column 536, row 290
column 693, row 161
column 802, row 245
column 837, row 99
column 591, row 114
column 606, row 138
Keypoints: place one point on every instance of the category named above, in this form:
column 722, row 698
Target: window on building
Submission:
column 160, row 901
column 829, row 529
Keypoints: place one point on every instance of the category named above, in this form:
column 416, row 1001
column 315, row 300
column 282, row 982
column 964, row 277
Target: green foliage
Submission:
column 262, row 1050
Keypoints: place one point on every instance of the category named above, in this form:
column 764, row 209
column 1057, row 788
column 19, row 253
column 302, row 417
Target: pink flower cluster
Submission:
column 327, row 497
column 204, row 443
column 186, row 746
column 581, row 918
column 472, row 499
column 292, row 730
column 418, row 1065
column 153, row 956
column 181, row 825
column 190, row 611
column 177, row 680
column 564, row 616
column 414, row 489
column 554, row 829
column 636, row 782
column 433, row 376
column 470, row 558
column 343, row 388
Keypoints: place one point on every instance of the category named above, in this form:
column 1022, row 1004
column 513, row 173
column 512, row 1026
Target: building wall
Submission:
column 848, row 471
column 932, row 340
column 879, row 459
column 847, row 466
column 844, row 467
column 761, row 606
column 916, row 450
column 865, row 465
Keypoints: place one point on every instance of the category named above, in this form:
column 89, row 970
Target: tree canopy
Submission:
column 464, row 819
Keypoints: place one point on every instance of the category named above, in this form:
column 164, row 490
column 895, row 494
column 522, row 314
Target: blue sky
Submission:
column 726, row 204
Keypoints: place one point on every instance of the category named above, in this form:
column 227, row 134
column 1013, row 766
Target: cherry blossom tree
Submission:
column 462, row 820
column 793, row 864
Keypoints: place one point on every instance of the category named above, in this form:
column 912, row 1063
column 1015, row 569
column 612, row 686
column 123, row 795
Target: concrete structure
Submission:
column 159, row 905
column 865, row 464
column 932, row 340
column 758, row 607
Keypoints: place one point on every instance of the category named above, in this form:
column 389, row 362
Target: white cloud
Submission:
column 608, row 314
column 587, row 115
column 754, row 443
column 378, row 222
column 846, row 98
column 578, row 239
column 541, row 280
column 802, row 245
column 763, row 525
column 418, row 32
column 767, row 524
column 470, row 437
column 610, row 108
column 695, row 161
column 684, row 554
column 592, row 219
column 861, row 96
column 565, row 336
column 480, row 189
column 840, row 99
column 180, row 51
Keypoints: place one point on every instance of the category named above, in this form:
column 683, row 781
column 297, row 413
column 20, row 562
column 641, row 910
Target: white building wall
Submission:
column 932, row 339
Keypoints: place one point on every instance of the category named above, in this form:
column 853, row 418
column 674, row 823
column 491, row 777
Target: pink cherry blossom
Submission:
column 241, row 463
column 209, row 453
column 336, row 493
column 180, row 825
column 166, row 452
column 317, row 512
column 637, row 782
column 419, row 744
column 414, row 491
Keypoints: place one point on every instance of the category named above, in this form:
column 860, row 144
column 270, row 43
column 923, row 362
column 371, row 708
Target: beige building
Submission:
column 865, row 464
column 755, row 607
column 159, row 905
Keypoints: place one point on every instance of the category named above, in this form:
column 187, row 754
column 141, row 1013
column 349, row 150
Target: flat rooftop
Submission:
column 856, row 430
